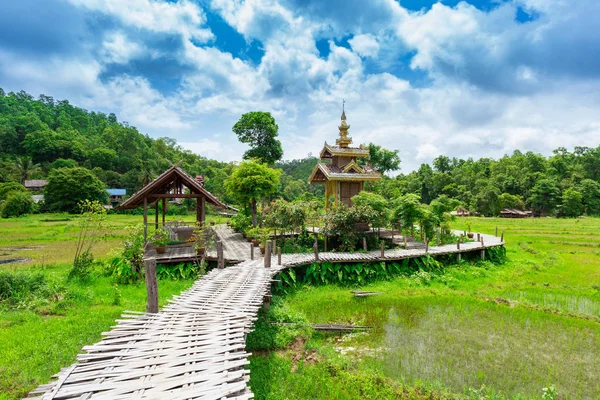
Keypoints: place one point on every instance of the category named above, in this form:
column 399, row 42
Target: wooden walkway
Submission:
column 194, row 348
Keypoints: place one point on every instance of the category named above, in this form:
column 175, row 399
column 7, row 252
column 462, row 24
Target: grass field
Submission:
column 502, row 331
column 475, row 331
column 40, row 336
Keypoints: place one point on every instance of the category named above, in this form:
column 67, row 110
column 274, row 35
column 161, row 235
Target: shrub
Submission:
column 30, row 290
column 342, row 222
column 9, row 187
column 17, row 204
column 67, row 187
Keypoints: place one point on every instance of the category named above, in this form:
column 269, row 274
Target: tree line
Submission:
column 44, row 137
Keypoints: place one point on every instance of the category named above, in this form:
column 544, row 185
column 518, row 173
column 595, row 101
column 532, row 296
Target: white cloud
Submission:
column 365, row 45
column 117, row 48
column 182, row 17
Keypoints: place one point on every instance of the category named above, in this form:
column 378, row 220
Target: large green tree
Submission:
column 382, row 159
column 24, row 168
column 544, row 196
column 250, row 182
column 259, row 130
column 69, row 186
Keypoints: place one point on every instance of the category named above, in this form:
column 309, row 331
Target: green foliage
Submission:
column 376, row 202
column 259, row 130
column 507, row 200
column 160, row 238
column 277, row 328
column 25, row 290
column 382, row 159
column 341, row 222
column 251, row 181
column 572, row 205
column 408, row 210
column 24, row 168
column 17, row 203
column 67, row 187
column 92, row 224
column 545, row 196
column 181, row 271
column 8, row 187
column 590, row 192
column 63, row 163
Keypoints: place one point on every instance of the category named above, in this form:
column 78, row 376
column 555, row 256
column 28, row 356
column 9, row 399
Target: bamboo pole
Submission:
column 252, row 251
column 278, row 255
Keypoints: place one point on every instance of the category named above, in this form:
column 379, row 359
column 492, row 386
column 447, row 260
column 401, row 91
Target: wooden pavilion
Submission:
column 171, row 184
column 339, row 170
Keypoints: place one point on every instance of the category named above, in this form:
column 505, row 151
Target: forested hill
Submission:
column 56, row 134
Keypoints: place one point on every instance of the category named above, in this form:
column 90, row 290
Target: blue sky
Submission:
column 475, row 78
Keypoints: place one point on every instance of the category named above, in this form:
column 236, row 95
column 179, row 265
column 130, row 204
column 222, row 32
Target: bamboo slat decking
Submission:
column 194, row 348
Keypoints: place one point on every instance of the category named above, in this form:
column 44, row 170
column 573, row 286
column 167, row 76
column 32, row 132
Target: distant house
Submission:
column 116, row 196
column 35, row 185
column 514, row 213
column 460, row 212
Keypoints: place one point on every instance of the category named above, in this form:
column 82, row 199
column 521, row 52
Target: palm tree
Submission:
column 24, row 167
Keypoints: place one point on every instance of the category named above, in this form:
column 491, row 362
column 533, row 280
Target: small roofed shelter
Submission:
column 35, row 185
column 171, row 184
column 514, row 213
column 340, row 171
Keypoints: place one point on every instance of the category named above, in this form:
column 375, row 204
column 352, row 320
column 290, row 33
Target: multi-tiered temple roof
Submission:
column 340, row 170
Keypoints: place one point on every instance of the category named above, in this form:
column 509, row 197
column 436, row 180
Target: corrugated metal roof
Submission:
column 117, row 192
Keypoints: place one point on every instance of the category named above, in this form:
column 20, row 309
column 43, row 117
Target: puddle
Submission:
column 14, row 260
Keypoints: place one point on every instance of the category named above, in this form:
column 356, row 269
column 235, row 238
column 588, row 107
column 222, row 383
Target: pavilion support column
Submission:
column 326, row 196
column 200, row 210
column 164, row 210
column 156, row 215
column 145, row 219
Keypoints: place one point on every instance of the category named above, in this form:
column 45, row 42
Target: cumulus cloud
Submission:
column 493, row 84
column 365, row 45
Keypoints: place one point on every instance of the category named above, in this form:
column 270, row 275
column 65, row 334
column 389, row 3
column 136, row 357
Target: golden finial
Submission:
column 344, row 140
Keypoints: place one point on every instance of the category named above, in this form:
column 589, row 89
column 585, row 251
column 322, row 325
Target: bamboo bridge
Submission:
column 194, row 348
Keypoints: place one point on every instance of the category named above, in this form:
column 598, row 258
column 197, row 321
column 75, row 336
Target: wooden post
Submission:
column 364, row 243
column 425, row 238
column 164, row 210
column 325, row 243
column 268, row 254
column 220, row 257
column 252, row 251
column 465, row 233
column 458, row 257
column 278, row 255
column 201, row 210
column 496, row 232
column 267, row 301
column 274, row 244
column 145, row 220
column 404, row 238
column 427, row 247
column 478, row 237
column 482, row 254
column 458, row 244
column 392, row 232
column 502, row 237
column 316, row 250
column 482, row 240
column 437, row 237
column 156, row 215
column 151, row 285
column 382, row 248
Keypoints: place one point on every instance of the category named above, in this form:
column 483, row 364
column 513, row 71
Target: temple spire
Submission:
column 344, row 140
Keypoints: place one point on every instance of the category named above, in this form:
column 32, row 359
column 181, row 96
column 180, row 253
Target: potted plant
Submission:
column 202, row 239
column 160, row 240
column 212, row 223
column 470, row 234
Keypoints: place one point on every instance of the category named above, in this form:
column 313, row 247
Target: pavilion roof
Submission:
column 170, row 181
column 350, row 172
column 331, row 151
